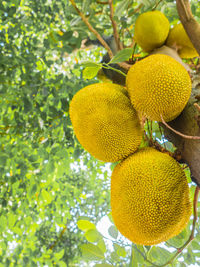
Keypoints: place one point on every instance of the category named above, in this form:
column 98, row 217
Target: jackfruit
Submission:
column 104, row 121
column 151, row 30
column 179, row 39
column 158, row 85
column 149, row 197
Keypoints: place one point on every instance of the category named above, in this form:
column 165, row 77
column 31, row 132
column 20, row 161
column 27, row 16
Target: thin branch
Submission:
column 132, row 39
column 136, row 10
column 177, row 132
column 59, row 237
column 85, row 20
column 102, row 3
column 145, row 258
column 114, row 25
column 197, row 106
column 157, row 4
column 124, row 65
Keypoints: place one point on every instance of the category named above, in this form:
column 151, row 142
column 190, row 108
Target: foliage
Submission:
column 52, row 193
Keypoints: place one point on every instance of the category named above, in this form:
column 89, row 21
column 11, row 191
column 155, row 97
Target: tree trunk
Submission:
column 188, row 123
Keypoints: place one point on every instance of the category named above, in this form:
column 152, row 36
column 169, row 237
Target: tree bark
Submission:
column 188, row 123
column 191, row 26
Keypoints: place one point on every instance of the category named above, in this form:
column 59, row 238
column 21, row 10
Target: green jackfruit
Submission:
column 149, row 197
column 158, row 85
column 179, row 39
column 105, row 122
column 151, row 30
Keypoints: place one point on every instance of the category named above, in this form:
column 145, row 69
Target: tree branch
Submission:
column 177, row 132
column 59, row 237
column 191, row 26
column 114, row 25
column 85, row 20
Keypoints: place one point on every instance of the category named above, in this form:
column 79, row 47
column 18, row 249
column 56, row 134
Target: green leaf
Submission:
column 160, row 255
column 122, row 55
column 92, row 235
column 136, row 257
column 32, row 190
column 3, row 223
column 59, row 254
column 62, row 264
column 11, row 220
column 103, row 265
column 121, row 7
column 120, row 250
column 91, row 252
column 195, row 245
column 85, row 225
column 115, row 256
column 112, row 230
column 178, row 240
column 46, row 197
column 91, row 64
column 90, row 72
column 101, row 244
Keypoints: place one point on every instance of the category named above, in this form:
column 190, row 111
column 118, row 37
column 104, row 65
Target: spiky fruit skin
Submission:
column 178, row 38
column 149, row 197
column 158, row 85
column 151, row 30
column 105, row 122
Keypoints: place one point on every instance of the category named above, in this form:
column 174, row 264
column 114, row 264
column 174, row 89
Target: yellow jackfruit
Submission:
column 105, row 122
column 179, row 39
column 151, row 30
column 158, row 85
column 149, row 197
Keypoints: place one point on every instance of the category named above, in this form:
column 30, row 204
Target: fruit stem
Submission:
column 107, row 66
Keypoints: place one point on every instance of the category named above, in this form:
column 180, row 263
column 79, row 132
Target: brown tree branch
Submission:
column 85, row 20
column 114, row 25
column 59, row 237
column 157, row 4
column 191, row 26
column 136, row 10
column 177, row 132
column 102, row 3
column 197, row 106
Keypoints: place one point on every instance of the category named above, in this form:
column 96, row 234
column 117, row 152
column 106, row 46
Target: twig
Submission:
column 132, row 39
column 124, row 65
column 114, row 25
column 145, row 258
column 136, row 10
column 60, row 236
column 102, row 3
column 85, row 20
column 157, row 4
column 197, row 106
column 177, row 132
